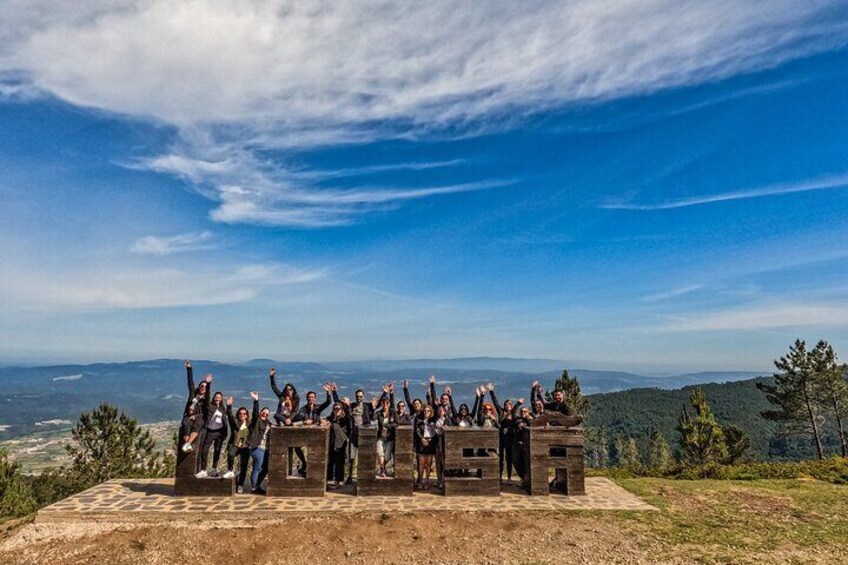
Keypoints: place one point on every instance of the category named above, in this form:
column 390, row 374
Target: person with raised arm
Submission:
column 237, row 443
column 310, row 413
column 339, row 422
column 487, row 416
column 536, row 399
column 506, row 414
column 199, row 395
column 216, row 433
column 288, row 402
column 558, row 404
column 257, row 441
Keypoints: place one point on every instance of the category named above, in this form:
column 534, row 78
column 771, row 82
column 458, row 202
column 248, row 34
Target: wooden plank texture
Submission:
column 368, row 484
column 314, row 441
column 475, row 451
column 560, row 449
column 186, row 484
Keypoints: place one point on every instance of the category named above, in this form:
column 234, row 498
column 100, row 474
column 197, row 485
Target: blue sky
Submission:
column 650, row 185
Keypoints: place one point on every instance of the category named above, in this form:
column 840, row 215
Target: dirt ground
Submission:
column 412, row 538
column 699, row 522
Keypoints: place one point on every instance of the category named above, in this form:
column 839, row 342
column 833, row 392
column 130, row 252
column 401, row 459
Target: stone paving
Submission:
column 153, row 500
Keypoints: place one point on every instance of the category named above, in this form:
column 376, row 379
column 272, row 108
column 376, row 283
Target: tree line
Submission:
column 807, row 399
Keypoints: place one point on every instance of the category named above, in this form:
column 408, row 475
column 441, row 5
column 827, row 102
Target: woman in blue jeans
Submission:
column 257, row 441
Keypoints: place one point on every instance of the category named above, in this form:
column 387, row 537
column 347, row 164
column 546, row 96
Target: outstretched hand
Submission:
column 432, row 379
column 521, row 401
column 230, row 401
column 209, row 378
column 405, row 383
column 273, row 371
column 254, row 396
column 346, row 401
column 188, row 364
column 374, row 403
column 391, row 387
column 448, row 390
column 490, row 386
column 327, row 387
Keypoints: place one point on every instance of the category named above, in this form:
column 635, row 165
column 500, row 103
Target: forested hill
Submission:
column 636, row 412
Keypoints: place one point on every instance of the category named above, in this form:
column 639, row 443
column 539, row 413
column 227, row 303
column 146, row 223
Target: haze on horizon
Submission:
column 629, row 184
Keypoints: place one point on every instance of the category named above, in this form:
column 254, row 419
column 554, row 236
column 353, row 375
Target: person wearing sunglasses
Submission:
column 237, row 443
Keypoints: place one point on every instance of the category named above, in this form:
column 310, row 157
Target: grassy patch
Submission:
column 732, row 521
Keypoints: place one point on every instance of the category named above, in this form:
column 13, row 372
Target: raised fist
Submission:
column 254, row 395
column 188, row 364
column 273, row 371
column 433, row 379
column 405, row 383
column 230, row 401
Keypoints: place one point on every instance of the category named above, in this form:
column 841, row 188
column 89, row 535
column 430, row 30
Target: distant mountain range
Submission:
column 154, row 390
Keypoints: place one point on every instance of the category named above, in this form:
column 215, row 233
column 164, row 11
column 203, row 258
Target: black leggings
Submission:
column 216, row 438
column 336, row 464
column 505, row 454
column 243, row 454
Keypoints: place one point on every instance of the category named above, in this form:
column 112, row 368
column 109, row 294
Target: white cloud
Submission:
column 673, row 293
column 89, row 289
column 766, row 316
column 826, row 183
column 155, row 245
column 236, row 77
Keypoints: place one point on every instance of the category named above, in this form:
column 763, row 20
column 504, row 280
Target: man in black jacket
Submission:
column 558, row 405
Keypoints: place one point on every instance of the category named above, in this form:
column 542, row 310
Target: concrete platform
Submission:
column 153, row 500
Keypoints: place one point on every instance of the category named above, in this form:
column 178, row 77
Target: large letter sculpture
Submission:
column 281, row 445
column 186, row 484
column 368, row 482
column 471, row 462
column 556, row 442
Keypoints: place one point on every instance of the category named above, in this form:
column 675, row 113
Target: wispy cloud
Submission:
column 239, row 78
column 262, row 193
column 121, row 288
column 156, row 245
column 825, row 183
column 766, row 316
column 673, row 293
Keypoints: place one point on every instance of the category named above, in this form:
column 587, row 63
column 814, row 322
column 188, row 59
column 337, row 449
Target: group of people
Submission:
column 209, row 422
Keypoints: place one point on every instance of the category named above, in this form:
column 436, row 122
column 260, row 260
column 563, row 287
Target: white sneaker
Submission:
column 229, row 475
column 239, row 490
column 187, row 447
column 201, row 475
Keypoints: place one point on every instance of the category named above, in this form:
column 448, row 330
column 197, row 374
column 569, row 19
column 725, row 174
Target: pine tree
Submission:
column 630, row 455
column 701, row 438
column 597, row 448
column 16, row 498
column 736, row 444
column 659, row 455
column 603, row 457
column 831, row 388
column 577, row 403
column 794, row 395
column 108, row 445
